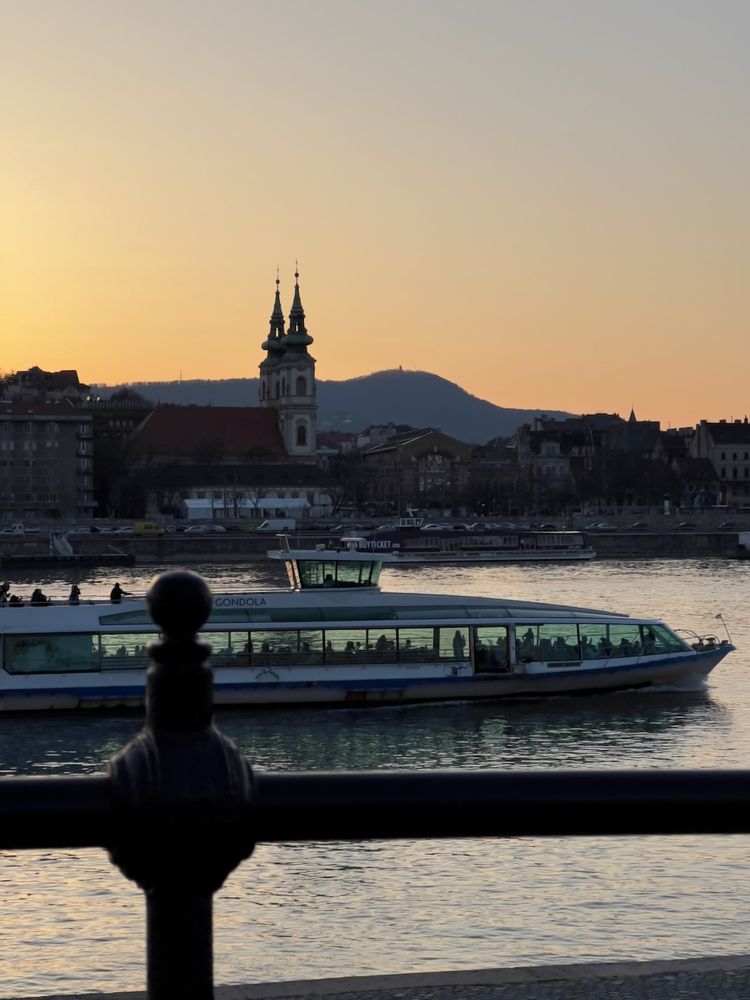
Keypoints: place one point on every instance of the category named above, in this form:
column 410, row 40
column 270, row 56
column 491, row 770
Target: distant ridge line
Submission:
column 356, row 403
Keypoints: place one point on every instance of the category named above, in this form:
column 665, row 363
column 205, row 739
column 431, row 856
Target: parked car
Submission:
column 548, row 527
column 728, row 526
column 600, row 526
column 197, row 529
column 434, row 526
column 685, row 526
column 639, row 526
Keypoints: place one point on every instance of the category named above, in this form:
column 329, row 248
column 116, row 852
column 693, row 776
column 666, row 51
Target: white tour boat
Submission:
column 412, row 543
column 335, row 638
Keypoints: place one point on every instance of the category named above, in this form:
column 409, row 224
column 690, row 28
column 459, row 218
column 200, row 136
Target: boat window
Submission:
column 127, row 618
column 487, row 612
column 416, row 645
column 454, row 644
column 355, row 614
column 345, row 645
column 310, row 646
column 269, row 648
column 229, row 615
column 331, row 573
column 126, row 650
column 594, row 641
column 51, row 654
column 491, row 647
column 228, row 649
column 554, row 643
column 438, row 611
column 660, row 639
column 289, row 614
column 381, row 645
column 625, row 640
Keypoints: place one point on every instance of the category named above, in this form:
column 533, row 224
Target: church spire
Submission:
column 273, row 343
column 298, row 339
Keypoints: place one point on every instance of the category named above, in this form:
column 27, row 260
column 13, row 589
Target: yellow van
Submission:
column 147, row 528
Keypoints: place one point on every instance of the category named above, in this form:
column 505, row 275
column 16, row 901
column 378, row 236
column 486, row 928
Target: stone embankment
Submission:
column 723, row 978
column 240, row 547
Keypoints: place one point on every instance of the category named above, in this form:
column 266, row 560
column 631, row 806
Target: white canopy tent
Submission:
column 208, row 508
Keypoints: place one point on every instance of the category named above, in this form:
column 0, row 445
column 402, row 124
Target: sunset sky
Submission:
column 546, row 202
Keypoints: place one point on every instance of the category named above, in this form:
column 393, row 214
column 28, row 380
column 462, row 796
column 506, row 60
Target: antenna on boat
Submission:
column 720, row 617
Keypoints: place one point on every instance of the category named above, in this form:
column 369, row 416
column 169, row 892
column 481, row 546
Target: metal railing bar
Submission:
column 65, row 812
column 360, row 805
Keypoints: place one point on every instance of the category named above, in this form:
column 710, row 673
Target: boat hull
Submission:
column 268, row 689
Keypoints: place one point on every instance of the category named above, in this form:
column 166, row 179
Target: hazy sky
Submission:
column 546, row 202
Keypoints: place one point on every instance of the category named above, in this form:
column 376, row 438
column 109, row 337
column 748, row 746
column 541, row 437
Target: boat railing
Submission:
column 179, row 808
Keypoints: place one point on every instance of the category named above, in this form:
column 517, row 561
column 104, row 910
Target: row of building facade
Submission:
column 65, row 453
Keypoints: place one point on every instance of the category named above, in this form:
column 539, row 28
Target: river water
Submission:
column 69, row 922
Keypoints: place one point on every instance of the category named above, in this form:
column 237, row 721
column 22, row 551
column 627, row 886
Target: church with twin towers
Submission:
column 287, row 377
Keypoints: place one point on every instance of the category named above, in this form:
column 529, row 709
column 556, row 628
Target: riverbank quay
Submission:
column 723, row 978
column 182, row 549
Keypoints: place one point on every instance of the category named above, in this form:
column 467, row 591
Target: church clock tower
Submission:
column 287, row 378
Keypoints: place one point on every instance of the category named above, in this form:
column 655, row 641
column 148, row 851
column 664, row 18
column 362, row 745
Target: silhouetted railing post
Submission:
column 183, row 795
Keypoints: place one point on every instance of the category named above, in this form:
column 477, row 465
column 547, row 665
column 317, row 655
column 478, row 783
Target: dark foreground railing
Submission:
column 180, row 807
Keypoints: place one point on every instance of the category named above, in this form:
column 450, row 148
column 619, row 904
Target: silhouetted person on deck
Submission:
column 117, row 594
column 75, row 594
column 38, row 599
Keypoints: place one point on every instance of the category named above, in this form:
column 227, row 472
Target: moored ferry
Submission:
column 411, row 543
column 335, row 638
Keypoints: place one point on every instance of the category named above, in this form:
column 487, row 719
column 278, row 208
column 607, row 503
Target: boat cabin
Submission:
column 321, row 568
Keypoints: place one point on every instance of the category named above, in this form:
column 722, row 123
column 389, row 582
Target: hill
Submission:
column 395, row 396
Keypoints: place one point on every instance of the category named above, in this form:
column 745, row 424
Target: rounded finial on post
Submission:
column 179, row 683
column 179, row 602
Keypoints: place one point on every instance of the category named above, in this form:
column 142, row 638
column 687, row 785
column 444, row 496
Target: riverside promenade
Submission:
column 722, row 978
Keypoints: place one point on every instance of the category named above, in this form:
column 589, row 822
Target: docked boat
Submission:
column 411, row 543
column 335, row 638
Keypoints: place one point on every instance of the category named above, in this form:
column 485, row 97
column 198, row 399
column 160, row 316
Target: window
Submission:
column 51, row 654
column 301, row 386
column 342, row 574
column 301, row 435
column 381, row 645
column 126, row 651
column 660, row 639
column 491, row 647
column 416, row 645
column 228, row 649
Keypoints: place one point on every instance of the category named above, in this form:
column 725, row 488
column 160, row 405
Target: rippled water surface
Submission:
column 70, row 922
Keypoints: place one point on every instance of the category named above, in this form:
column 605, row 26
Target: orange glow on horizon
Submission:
column 561, row 226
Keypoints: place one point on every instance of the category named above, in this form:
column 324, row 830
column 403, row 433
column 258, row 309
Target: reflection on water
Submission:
column 606, row 731
column 296, row 911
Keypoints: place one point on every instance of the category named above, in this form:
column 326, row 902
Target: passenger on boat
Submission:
column 458, row 645
column 4, row 588
column 117, row 594
column 38, row 599
column 74, row 595
column 588, row 650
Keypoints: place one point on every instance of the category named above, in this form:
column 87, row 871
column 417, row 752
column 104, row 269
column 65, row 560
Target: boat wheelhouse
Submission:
column 335, row 638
